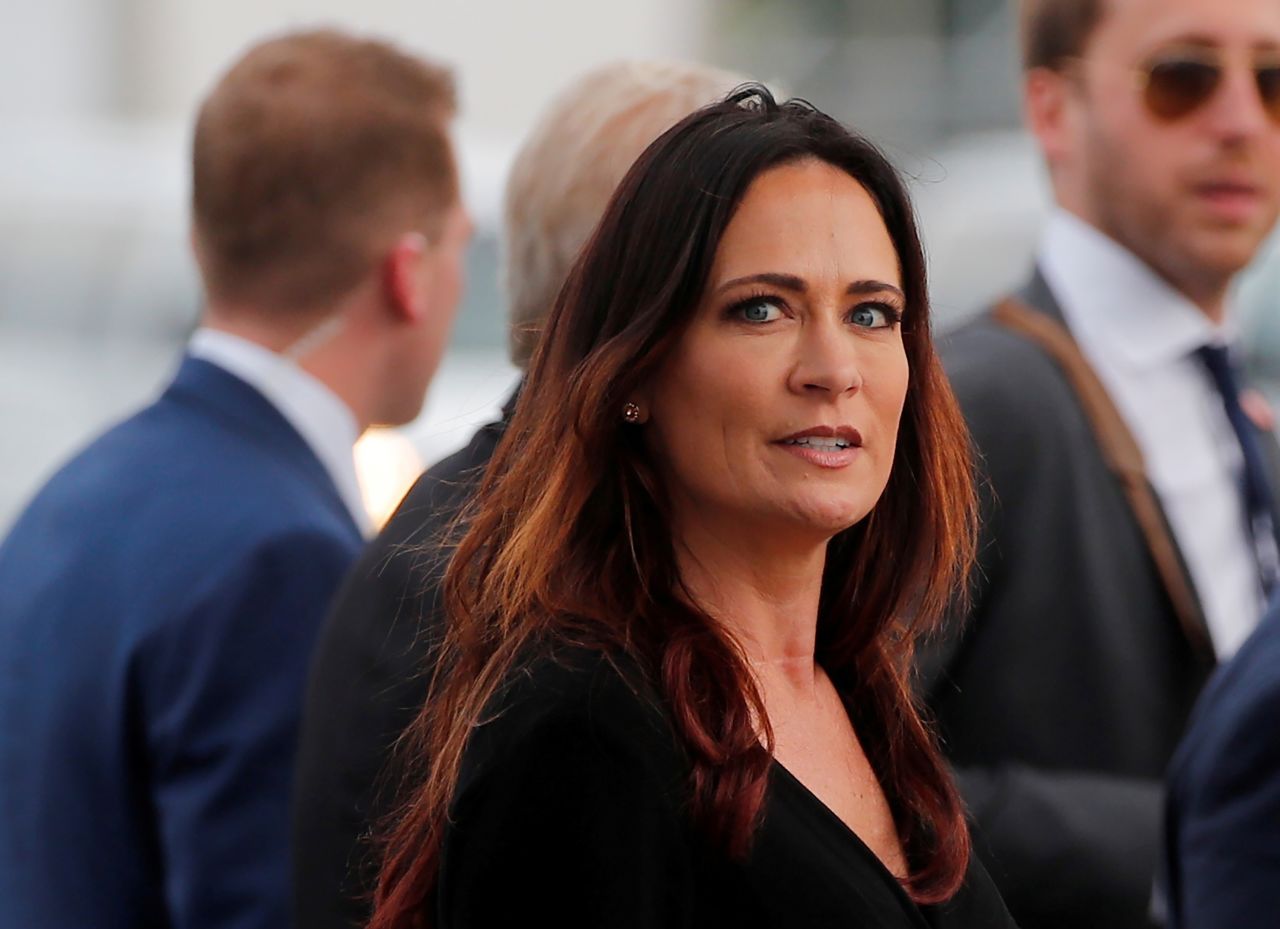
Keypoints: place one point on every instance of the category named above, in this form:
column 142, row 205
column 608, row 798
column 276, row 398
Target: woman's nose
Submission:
column 827, row 361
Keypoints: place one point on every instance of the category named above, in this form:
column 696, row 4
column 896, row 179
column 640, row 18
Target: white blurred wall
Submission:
column 57, row 60
column 510, row 55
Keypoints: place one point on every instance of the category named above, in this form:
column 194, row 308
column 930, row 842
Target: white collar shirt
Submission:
column 323, row 420
column 1139, row 334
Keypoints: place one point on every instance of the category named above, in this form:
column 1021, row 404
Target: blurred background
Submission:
column 98, row 292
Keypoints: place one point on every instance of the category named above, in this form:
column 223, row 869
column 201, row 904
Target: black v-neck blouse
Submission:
column 571, row 812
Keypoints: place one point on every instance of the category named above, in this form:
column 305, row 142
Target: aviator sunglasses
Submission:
column 1177, row 82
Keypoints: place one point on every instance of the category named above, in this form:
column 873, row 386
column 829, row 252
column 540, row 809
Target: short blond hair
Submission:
column 310, row 155
column 570, row 164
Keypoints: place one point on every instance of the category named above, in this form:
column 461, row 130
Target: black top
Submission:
column 571, row 811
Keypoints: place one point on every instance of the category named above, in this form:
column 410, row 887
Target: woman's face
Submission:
column 778, row 410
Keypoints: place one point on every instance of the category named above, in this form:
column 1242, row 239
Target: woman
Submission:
column 674, row 687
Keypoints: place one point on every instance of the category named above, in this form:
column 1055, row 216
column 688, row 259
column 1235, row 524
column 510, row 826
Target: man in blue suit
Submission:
column 1222, row 822
column 160, row 596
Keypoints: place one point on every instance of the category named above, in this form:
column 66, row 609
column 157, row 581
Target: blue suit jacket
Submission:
column 158, row 603
column 1222, row 861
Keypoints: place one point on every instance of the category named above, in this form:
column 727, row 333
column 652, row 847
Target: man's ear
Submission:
column 1047, row 109
column 406, row 277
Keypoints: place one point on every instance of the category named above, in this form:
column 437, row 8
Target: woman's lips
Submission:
column 821, row 456
column 824, row 446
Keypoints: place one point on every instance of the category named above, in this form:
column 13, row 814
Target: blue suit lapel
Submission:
column 221, row 395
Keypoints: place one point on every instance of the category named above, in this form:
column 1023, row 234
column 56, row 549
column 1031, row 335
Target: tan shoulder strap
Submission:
column 1122, row 455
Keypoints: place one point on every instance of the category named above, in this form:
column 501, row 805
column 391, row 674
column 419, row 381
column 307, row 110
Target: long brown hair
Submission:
column 568, row 537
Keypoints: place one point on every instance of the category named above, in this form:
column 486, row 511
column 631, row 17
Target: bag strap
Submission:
column 1121, row 453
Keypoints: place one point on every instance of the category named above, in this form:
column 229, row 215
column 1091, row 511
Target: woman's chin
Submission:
column 824, row 519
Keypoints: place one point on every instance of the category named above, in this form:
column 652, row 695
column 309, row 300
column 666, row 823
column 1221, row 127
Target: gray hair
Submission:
column 568, row 167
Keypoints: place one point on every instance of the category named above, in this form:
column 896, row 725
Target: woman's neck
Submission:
column 766, row 595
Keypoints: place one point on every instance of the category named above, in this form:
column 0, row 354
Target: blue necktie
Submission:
column 1257, row 488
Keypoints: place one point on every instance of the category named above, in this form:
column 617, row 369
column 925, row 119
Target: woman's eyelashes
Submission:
column 761, row 308
column 767, row 308
column 875, row 314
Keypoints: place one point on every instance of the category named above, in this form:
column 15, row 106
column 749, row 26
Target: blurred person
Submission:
column 672, row 688
column 160, row 596
column 369, row 672
column 1128, row 509
column 1222, row 843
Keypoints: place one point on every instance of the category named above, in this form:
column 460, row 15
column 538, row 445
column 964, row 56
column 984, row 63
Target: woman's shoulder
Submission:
column 570, row 807
column 569, row 701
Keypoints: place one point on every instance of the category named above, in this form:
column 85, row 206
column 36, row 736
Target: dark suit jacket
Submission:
column 158, row 602
column 1222, row 862
column 1062, row 697
column 367, row 683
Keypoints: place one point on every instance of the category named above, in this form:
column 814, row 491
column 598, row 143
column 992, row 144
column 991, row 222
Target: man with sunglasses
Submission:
column 1128, row 535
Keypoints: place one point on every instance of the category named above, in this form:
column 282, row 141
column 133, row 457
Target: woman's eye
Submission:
column 874, row 316
column 759, row 311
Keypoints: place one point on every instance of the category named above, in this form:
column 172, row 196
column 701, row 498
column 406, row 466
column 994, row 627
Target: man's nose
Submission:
column 1237, row 110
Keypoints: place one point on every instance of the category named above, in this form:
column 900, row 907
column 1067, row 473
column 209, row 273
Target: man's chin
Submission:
column 1225, row 253
column 1213, row 249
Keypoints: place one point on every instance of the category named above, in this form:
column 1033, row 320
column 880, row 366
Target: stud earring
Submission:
column 630, row 413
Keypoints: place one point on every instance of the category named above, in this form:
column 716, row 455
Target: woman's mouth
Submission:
column 824, row 446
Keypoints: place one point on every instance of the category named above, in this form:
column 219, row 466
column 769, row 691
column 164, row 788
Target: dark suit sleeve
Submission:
column 573, row 829
column 1224, row 819
column 1064, row 847
column 368, row 678
column 223, row 696
column 1067, row 849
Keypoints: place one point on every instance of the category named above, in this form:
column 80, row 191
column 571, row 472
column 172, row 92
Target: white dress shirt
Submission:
column 1139, row 333
column 323, row 420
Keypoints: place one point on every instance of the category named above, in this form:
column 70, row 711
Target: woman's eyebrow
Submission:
column 797, row 284
column 785, row 281
column 862, row 288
